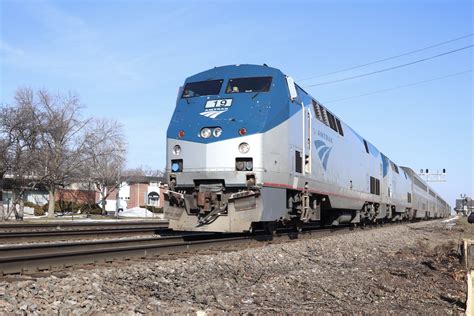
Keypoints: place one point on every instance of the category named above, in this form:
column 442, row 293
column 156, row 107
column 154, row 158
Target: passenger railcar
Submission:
column 248, row 148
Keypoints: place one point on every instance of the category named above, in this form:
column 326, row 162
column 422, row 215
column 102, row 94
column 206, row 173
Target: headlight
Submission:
column 244, row 148
column 175, row 167
column 217, row 132
column 239, row 165
column 205, row 132
column 177, row 150
column 249, row 165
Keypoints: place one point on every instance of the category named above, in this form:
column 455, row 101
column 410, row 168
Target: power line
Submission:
column 387, row 69
column 399, row 87
column 388, row 58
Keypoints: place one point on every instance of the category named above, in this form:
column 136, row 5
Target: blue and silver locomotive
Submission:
column 247, row 148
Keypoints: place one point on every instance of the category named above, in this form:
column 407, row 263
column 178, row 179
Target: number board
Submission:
column 221, row 103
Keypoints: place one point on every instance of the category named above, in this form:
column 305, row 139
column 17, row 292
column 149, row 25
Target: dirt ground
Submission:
column 401, row 269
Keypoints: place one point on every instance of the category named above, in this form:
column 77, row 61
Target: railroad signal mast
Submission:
column 464, row 205
column 437, row 176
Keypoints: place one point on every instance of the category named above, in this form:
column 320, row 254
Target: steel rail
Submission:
column 68, row 234
column 78, row 224
column 31, row 258
column 36, row 257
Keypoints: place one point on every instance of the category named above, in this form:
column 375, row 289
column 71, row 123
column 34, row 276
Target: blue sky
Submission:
column 127, row 59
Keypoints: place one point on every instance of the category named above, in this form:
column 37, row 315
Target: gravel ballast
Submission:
column 397, row 269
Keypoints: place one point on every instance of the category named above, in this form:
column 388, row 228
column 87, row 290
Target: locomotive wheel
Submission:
column 269, row 228
column 299, row 227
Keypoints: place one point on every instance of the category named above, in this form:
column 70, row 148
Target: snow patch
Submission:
column 136, row 212
column 452, row 219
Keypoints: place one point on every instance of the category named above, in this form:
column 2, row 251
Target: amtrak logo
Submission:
column 323, row 152
column 214, row 108
column 213, row 113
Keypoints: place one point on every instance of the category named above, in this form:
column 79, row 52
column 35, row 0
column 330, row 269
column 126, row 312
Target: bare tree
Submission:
column 3, row 164
column 44, row 139
column 4, row 145
column 19, row 139
column 106, row 148
column 150, row 172
column 143, row 171
column 63, row 142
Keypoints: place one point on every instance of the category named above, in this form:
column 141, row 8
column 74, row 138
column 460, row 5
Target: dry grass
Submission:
column 467, row 230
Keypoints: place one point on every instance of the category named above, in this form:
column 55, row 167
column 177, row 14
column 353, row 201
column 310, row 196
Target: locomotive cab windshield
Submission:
column 235, row 85
column 200, row 88
column 249, row 85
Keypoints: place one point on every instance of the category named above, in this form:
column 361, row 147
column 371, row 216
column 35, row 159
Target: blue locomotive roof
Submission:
column 257, row 112
column 234, row 71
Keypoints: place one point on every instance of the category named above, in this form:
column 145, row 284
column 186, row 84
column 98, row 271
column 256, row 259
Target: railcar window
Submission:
column 366, row 146
column 196, row 89
column 332, row 121
column 339, row 127
column 324, row 115
column 254, row 84
column 374, row 186
column 394, row 167
column 317, row 110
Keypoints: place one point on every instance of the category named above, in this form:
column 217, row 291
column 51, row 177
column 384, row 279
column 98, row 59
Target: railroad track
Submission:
column 31, row 258
column 51, row 256
column 68, row 231
column 37, row 236
column 26, row 259
column 63, row 225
